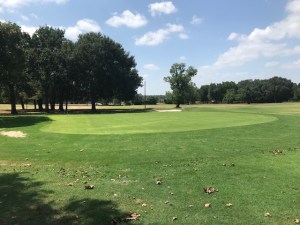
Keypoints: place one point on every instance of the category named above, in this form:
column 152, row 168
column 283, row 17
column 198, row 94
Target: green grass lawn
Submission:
column 228, row 147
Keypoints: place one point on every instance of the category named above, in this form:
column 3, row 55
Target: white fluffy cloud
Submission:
column 129, row 19
column 14, row 4
column 196, row 20
column 82, row 26
column 183, row 36
column 159, row 8
column 151, row 67
column 159, row 36
column 28, row 29
column 268, row 42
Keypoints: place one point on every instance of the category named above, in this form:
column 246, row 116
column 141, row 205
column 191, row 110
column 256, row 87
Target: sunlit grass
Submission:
column 154, row 122
column 229, row 147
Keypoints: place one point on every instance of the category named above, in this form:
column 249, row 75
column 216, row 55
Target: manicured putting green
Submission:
column 154, row 122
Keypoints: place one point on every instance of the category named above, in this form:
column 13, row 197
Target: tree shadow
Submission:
column 24, row 202
column 21, row 121
column 106, row 111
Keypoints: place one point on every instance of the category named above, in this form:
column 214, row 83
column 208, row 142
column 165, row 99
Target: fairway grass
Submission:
column 228, row 147
column 154, row 122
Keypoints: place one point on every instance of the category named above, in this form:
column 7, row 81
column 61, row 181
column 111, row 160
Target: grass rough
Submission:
column 228, row 147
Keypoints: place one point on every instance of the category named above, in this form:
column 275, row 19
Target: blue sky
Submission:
column 228, row 40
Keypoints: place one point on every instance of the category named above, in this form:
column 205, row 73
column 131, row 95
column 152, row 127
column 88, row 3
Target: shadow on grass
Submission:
column 104, row 111
column 21, row 121
column 24, row 202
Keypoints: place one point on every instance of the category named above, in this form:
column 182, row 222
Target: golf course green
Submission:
column 155, row 122
column 148, row 168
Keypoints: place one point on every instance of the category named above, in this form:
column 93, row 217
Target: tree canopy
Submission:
column 275, row 89
column 180, row 80
column 48, row 69
column 12, row 59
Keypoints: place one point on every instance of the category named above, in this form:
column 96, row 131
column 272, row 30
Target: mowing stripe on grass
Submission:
column 132, row 123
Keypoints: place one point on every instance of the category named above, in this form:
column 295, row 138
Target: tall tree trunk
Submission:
column 40, row 104
column 93, row 100
column 93, row 105
column 61, row 105
column 177, row 103
column 22, row 103
column 12, row 96
column 61, row 102
column 66, row 105
column 46, row 100
column 52, row 104
column 34, row 104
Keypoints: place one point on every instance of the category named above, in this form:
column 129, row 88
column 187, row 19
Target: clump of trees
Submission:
column 184, row 91
column 48, row 69
column 273, row 90
column 180, row 80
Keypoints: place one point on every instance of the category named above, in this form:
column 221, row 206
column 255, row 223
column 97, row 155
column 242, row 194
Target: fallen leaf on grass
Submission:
column 297, row 221
column 144, row 205
column 89, row 187
column 26, row 164
column 158, row 182
column 174, row 218
column 207, row 205
column 70, row 184
column 130, row 217
column 278, row 152
column 267, row 214
column 210, row 190
column 229, row 205
column 166, row 202
column 133, row 216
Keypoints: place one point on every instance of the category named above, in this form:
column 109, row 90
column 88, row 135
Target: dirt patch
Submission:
column 13, row 134
column 169, row 110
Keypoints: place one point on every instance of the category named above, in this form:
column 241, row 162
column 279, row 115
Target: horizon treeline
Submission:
column 273, row 90
column 47, row 69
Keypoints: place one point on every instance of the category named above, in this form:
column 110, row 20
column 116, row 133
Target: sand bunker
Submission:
column 13, row 134
column 169, row 110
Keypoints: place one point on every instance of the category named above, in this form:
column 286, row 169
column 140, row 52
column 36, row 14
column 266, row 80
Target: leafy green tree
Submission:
column 104, row 69
column 138, row 99
column 46, row 44
column 89, row 57
column 120, row 71
column 214, row 93
column 245, row 92
column 169, row 98
column 65, row 76
column 12, row 59
column 280, row 89
column 192, row 95
column 203, row 93
column 230, row 96
column 180, row 81
column 296, row 92
column 151, row 100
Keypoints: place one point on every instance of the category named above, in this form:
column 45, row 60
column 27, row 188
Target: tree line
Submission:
column 48, row 69
column 273, row 90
